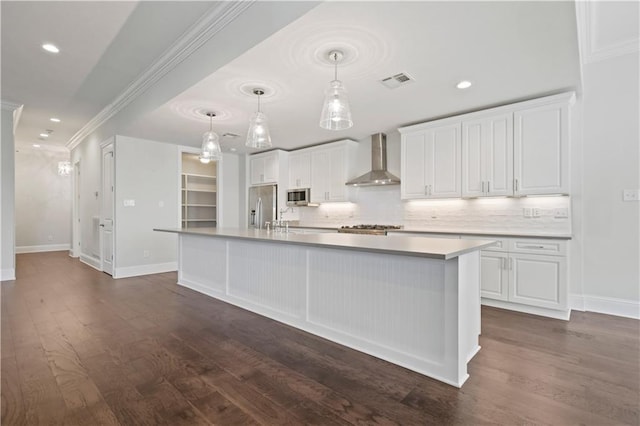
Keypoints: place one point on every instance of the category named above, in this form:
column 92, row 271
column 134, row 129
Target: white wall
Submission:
column 146, row 172
column 611, row 229
column 42, row 201
column 7, row 176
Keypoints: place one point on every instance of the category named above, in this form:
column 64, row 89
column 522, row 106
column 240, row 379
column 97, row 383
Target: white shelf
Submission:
column 199, row 205
column 199, row 176
column 199, row 190
column 199, row 220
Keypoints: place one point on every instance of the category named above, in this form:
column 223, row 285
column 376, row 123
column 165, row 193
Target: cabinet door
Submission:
column 541, row 150
column 256, row 170
column 319, row 171
column 498, row 155
column 337, row 176
column 412, row 173
column 487, row 156
column 300, row 170
column 442, row 164
column 271, row 163
column 472, row 159
column 494, row 278
column 538, row 280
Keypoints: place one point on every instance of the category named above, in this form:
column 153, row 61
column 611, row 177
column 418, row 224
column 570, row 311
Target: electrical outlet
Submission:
column 146, row 253
column 526, row 212
column 50, row 238
column 631, row 195
column 129, row 203
column 561, row 213
column 535, row 212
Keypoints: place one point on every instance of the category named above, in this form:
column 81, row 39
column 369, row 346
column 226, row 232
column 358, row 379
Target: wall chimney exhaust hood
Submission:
column 378, row 174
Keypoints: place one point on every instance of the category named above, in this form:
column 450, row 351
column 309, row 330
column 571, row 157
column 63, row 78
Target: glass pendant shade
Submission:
column 258, row 135
column 336, row 114
column 210, row 144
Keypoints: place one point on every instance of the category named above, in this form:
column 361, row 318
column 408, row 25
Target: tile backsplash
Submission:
column 382, row 205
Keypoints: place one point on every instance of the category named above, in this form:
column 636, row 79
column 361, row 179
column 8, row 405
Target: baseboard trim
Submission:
column 534, row 310
column 7, row 274
column 135, row 271
column 91, row 261
column 606, row 305
column 42, row 248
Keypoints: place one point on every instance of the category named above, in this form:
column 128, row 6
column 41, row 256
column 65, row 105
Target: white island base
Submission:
column 417, row 311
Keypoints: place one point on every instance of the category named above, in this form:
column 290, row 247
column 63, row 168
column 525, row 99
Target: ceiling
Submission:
column 509, row 50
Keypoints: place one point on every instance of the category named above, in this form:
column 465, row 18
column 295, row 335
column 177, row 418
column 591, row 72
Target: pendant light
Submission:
column 258, row 135
column 336, row 114
column 210, row 143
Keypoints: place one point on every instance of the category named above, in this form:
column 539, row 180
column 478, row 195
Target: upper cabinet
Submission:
column 514, row 150
column 430, row 162
column 300, row 169
column 330, row 170
column 541, row 149
column 264, row 168
column 487, row 156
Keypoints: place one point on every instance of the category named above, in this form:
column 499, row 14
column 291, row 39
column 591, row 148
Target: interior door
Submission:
column 106, row 214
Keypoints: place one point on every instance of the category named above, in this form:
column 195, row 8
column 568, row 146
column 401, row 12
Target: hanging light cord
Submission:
column 335, row 62
column 258, row 101
column 210, row 122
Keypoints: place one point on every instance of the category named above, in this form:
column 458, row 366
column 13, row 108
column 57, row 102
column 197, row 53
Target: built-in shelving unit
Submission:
column 199, row 193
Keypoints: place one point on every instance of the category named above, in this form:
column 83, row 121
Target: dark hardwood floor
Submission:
column 81, row 348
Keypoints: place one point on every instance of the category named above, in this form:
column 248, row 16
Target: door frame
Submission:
column 75, row 215
column 108, row 144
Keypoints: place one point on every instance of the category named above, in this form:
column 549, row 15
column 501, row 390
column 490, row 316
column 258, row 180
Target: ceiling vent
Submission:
column 397, row 80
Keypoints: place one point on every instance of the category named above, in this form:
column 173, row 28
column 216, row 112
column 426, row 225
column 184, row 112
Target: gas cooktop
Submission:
column 368, row 229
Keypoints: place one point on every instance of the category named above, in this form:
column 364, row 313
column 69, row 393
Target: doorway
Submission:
column 107, row 211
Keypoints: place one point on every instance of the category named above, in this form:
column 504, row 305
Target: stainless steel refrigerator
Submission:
column 263, row 205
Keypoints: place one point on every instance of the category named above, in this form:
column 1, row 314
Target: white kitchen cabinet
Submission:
column 300, row 169
column 330, row 170
column 538, row 280
column 264, row 168
column 494, row 278
column 541, row 149
column 430, row 162
column 526, row 273
column 487, row 156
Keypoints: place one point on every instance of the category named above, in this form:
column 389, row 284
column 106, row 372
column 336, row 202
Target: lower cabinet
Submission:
column 527, row 272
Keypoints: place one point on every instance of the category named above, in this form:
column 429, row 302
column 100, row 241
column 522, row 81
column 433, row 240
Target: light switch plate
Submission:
column 631, row 195
column 535, row 212
column 526, row 212
column 129, row 203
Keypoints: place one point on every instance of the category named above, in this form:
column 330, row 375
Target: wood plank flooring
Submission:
column 80, row 348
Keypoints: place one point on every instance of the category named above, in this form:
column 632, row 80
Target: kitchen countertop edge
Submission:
column 399, row 245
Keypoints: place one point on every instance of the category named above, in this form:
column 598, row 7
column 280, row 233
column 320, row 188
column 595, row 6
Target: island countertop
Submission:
column 434, row 248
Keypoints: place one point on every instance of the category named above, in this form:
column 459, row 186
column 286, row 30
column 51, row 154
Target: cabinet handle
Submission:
column 515, row 184
column 430, row 190
column 488, row 186
column 426, row 190
column 533, row 247
column 483, row 187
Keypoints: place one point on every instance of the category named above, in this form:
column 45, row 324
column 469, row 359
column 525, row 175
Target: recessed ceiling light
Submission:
column 464, row 84
column 35, row 145
column 50, row 48
column 233, row 149
column 55, row 120
column 44, row 135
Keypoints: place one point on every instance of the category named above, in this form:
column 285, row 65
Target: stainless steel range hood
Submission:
column 378, row 174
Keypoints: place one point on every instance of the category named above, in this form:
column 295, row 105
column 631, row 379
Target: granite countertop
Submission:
column 435, row 248
column 512, row 234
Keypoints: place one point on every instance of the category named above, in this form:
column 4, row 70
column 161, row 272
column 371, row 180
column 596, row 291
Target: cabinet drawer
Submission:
column 548, row 247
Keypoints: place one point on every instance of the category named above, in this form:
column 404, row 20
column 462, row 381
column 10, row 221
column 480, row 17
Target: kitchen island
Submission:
column 412, row 301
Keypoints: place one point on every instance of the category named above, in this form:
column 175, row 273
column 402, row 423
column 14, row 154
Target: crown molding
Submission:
column 587, row 23
column 212, row 22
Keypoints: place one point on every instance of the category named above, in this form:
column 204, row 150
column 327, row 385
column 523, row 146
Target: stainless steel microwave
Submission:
column 298, row 197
